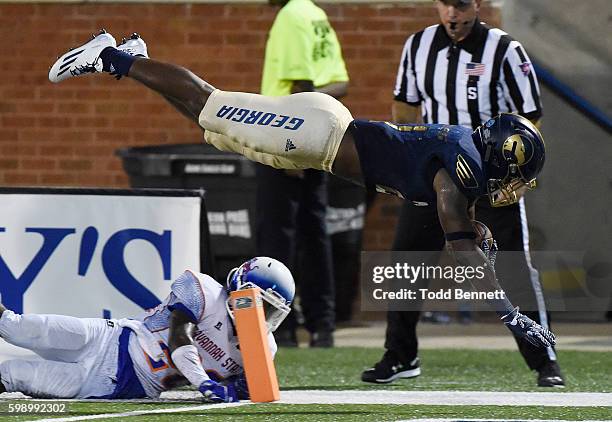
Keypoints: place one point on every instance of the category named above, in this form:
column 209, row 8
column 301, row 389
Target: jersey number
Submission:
column 160, row 365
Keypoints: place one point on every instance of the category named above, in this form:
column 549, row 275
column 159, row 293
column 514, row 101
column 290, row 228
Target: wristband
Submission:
column 459, row 236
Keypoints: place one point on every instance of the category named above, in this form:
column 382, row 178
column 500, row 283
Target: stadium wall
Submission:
column 66, row 135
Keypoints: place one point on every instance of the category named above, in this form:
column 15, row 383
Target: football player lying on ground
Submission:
column 449, row 166
column 188, row 338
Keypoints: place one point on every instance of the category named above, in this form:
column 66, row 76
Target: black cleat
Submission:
column 323, row 339
column 390, row 368
column 550, row 375
column 285, row 338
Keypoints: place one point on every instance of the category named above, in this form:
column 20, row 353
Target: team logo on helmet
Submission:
column 249, row 266
column 516, row 151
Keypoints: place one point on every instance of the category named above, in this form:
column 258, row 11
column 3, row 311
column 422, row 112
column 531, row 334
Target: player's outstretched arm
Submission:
column 187, row 360
column 453, row 211
column 454, row 215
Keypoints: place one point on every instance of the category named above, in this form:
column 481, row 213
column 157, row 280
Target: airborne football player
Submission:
column 450, row 166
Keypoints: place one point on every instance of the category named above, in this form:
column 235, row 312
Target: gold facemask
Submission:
column 507, row 193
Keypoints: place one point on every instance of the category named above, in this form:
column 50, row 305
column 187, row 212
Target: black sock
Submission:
column 116, row 62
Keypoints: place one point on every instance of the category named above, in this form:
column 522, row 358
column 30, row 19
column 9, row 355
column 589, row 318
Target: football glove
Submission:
column 489, row 248
column 485, row 241
column 528, row 329
column 240, row 385
column 214, row 392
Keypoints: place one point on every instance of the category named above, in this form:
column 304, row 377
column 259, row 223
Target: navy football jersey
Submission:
column 403, row 159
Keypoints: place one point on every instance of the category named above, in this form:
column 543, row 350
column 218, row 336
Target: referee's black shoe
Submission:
column 390, row 368
column 286, row 337
column 549, row 375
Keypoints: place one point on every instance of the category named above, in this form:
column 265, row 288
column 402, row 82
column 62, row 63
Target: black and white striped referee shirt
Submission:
column 469, row 82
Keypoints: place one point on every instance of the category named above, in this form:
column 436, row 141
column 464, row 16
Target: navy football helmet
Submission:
column 274, row 280
column 513, row 153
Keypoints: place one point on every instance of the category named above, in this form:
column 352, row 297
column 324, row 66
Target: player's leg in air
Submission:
column 302, row 131
column 71, row 348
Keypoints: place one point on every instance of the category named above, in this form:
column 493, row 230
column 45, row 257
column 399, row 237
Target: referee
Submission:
column 464, row 72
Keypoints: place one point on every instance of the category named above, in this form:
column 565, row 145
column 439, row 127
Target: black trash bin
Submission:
column 230, row 184
column 230, row 192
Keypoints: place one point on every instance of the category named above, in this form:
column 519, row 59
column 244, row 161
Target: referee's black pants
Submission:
column 291, row 228
column 419, row 229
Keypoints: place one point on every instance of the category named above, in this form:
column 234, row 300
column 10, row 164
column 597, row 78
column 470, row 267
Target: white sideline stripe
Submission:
column 493, row 420
column 141, row 412
column 534, row 275
column 456, row 398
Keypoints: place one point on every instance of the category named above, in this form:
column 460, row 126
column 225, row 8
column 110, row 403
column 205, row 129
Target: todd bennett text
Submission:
column 442, row 294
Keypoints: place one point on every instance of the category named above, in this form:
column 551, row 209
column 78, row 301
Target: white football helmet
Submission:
column 274, row 280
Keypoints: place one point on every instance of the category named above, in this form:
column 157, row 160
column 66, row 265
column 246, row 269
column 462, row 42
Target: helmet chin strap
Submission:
column 230, row 274
column 228, row 308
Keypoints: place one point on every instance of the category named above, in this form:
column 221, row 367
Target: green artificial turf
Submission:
column 340, row 369
column 442, row 369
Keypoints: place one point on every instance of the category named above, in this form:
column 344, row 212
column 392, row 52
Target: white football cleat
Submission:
column 134, row 45
column 82, row 59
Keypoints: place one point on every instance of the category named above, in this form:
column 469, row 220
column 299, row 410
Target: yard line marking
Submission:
column 141, row 412
column 456, row 398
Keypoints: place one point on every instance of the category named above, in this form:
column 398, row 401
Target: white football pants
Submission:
column 298, row 131
column 79, row 355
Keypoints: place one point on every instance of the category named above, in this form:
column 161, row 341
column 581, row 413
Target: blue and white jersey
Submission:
column 203, row 299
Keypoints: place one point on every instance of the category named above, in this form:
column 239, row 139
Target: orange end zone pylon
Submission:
column 253, row 338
